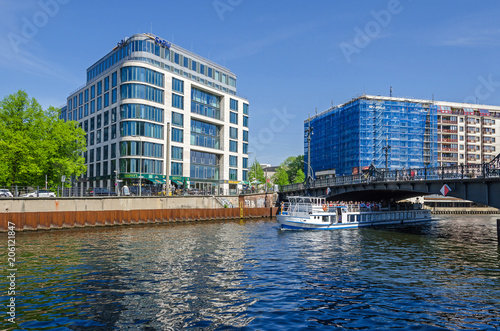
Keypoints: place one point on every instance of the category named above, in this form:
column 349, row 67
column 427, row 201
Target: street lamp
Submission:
column 140, row 164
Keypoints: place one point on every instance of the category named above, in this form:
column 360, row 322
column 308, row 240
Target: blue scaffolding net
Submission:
column 352, row 136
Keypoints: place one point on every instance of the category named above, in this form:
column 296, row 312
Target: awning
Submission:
column 177, row 182
column 468, row 111
column 484, row 112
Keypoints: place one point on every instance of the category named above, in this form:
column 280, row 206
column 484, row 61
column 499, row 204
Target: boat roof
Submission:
column 306, row 199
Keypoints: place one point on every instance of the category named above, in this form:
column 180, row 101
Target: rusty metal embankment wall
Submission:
column 35, row 214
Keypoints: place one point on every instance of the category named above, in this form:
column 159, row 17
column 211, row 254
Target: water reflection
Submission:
column 250, row 275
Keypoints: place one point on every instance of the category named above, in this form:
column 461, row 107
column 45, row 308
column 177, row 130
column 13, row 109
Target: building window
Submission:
column 177, row 119
column 233, row 174
column 233, row 146
column 113, row 151
column 177, row 153
column 144, row 129
column 245, row 148
column 105, row 134
column 113, row 96
column 99, row 87
column 177, row 101
column 205, row 134
column 106, row 99
column 92, row 92
column 245, row 121
column 92, row 106
column 233, row 161
column 91, row 156
column 177, row 135
column 245, row 163
column 233, row 133
column 245, row 136
column 233, row 104
column 176, row 169
column 177, row 85
column 113, row 79
column 106, row 84
column 245, row 109
column 140, row 91
column 144, row 112
column 142, row 75
column 233, row 118
column 98, row 154
column 113, row 115
column 113, row 131
column 99, row 103
column 204, row 165
column 245, row 175
column 99, row 121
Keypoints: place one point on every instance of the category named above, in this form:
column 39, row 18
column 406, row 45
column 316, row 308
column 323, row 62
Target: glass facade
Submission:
column 205, row 103
column 145, row 129
column 140, row 91
column 204, row 165
column 141, row 74
column 351, row 136
column 205, row 134
column 144, row 112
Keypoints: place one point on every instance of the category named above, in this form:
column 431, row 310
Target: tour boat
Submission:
column 315, row 213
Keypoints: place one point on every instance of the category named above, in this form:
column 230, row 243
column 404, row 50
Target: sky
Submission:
column 292, row 58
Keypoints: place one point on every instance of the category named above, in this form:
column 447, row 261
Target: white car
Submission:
column 5, row 193
column 41, row 194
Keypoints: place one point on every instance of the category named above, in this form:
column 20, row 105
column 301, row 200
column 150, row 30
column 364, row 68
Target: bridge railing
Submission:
column 464, row 171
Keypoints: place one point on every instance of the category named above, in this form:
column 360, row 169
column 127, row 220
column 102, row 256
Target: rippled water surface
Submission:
column 250, row 275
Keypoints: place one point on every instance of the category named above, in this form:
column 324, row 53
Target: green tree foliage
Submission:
column 34, row 143
column 256, row 173
column 281, row 177
column 292, row 166
column 300, row 177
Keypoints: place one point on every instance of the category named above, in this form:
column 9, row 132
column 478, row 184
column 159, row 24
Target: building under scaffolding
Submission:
column 374, row 130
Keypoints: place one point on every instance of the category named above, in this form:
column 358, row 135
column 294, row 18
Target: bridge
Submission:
column 475, row 182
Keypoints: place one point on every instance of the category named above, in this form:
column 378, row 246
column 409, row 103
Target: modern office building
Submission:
column 401, row 133
column 155, row 111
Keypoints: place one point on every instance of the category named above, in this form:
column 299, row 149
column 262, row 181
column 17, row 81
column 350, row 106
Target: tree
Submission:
column 35, row 143
column 292, row 165
column 257, row 173
column 300, row 177
column 281, row 177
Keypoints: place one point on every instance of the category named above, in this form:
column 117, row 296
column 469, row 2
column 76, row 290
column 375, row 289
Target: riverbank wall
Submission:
column 52, row 213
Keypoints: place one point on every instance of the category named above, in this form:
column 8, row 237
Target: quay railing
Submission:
column 464, row 171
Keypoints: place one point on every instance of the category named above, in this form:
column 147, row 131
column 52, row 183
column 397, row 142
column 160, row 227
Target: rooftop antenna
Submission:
column 432, row 97
column 391, row 92
column 316, row 110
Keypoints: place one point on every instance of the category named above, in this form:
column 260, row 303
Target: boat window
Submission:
column 326, row 219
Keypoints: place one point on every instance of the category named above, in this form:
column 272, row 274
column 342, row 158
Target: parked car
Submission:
column 4, row 193
column 100, row 192
column 41, row 194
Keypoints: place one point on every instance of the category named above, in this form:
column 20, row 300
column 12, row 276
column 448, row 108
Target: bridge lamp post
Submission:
column 386, row 149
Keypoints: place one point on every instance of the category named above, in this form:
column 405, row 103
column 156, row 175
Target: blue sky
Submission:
column 290, row 57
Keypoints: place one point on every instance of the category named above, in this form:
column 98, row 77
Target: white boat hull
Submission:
column 297, row 223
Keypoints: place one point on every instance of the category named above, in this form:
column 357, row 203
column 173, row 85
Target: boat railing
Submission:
column 299, row 208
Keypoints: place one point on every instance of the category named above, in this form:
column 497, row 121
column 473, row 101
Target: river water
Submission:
column 250, row 275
